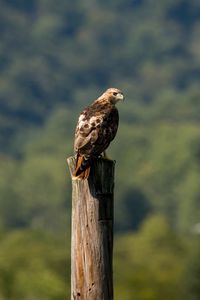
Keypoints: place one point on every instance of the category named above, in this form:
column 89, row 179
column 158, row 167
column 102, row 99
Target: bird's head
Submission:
column 112, row 95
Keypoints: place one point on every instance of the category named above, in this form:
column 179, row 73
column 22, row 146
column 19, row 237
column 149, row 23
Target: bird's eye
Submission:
column 115, row 94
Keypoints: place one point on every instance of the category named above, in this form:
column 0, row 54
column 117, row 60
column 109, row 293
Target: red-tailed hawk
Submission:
column 96, row 128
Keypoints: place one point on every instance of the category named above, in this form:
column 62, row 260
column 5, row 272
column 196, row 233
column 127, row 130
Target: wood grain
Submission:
column 92, row 233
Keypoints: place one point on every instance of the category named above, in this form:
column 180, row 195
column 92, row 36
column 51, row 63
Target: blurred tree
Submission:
column 34, row 265
column 191, row 281
column 133, row 210
column 149, row 265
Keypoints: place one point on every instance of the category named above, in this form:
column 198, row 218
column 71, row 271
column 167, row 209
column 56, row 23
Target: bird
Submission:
column 96, row 128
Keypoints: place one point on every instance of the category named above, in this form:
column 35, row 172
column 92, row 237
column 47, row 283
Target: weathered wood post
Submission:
column 92, row 233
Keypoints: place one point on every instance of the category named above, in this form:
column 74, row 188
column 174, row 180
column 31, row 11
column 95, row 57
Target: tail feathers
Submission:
column 82, row 169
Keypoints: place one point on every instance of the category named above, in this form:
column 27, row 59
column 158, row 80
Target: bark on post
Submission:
column 92, row 233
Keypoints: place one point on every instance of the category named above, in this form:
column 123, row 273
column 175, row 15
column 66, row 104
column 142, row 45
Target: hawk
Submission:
column 96, row 128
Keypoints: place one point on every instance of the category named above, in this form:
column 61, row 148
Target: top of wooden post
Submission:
column 101, row 179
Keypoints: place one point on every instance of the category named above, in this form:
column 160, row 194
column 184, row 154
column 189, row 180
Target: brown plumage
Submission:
column 96, row 128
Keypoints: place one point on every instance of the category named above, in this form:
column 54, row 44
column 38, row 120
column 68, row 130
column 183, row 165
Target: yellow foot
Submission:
column 105, row 156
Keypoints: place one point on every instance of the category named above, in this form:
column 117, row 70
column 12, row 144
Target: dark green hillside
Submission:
column 67, row 53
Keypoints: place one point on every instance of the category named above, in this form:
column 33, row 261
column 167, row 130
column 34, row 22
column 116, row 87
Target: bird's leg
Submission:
column 105, row 156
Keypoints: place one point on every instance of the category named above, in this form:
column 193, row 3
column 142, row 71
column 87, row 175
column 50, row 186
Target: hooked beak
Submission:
column 120, row 96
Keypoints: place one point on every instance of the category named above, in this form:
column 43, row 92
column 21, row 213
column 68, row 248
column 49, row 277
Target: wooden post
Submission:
column 92, row 233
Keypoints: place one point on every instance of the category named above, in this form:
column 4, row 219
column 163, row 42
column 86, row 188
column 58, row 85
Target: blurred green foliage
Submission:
column 55, row 58
column 34, row 265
